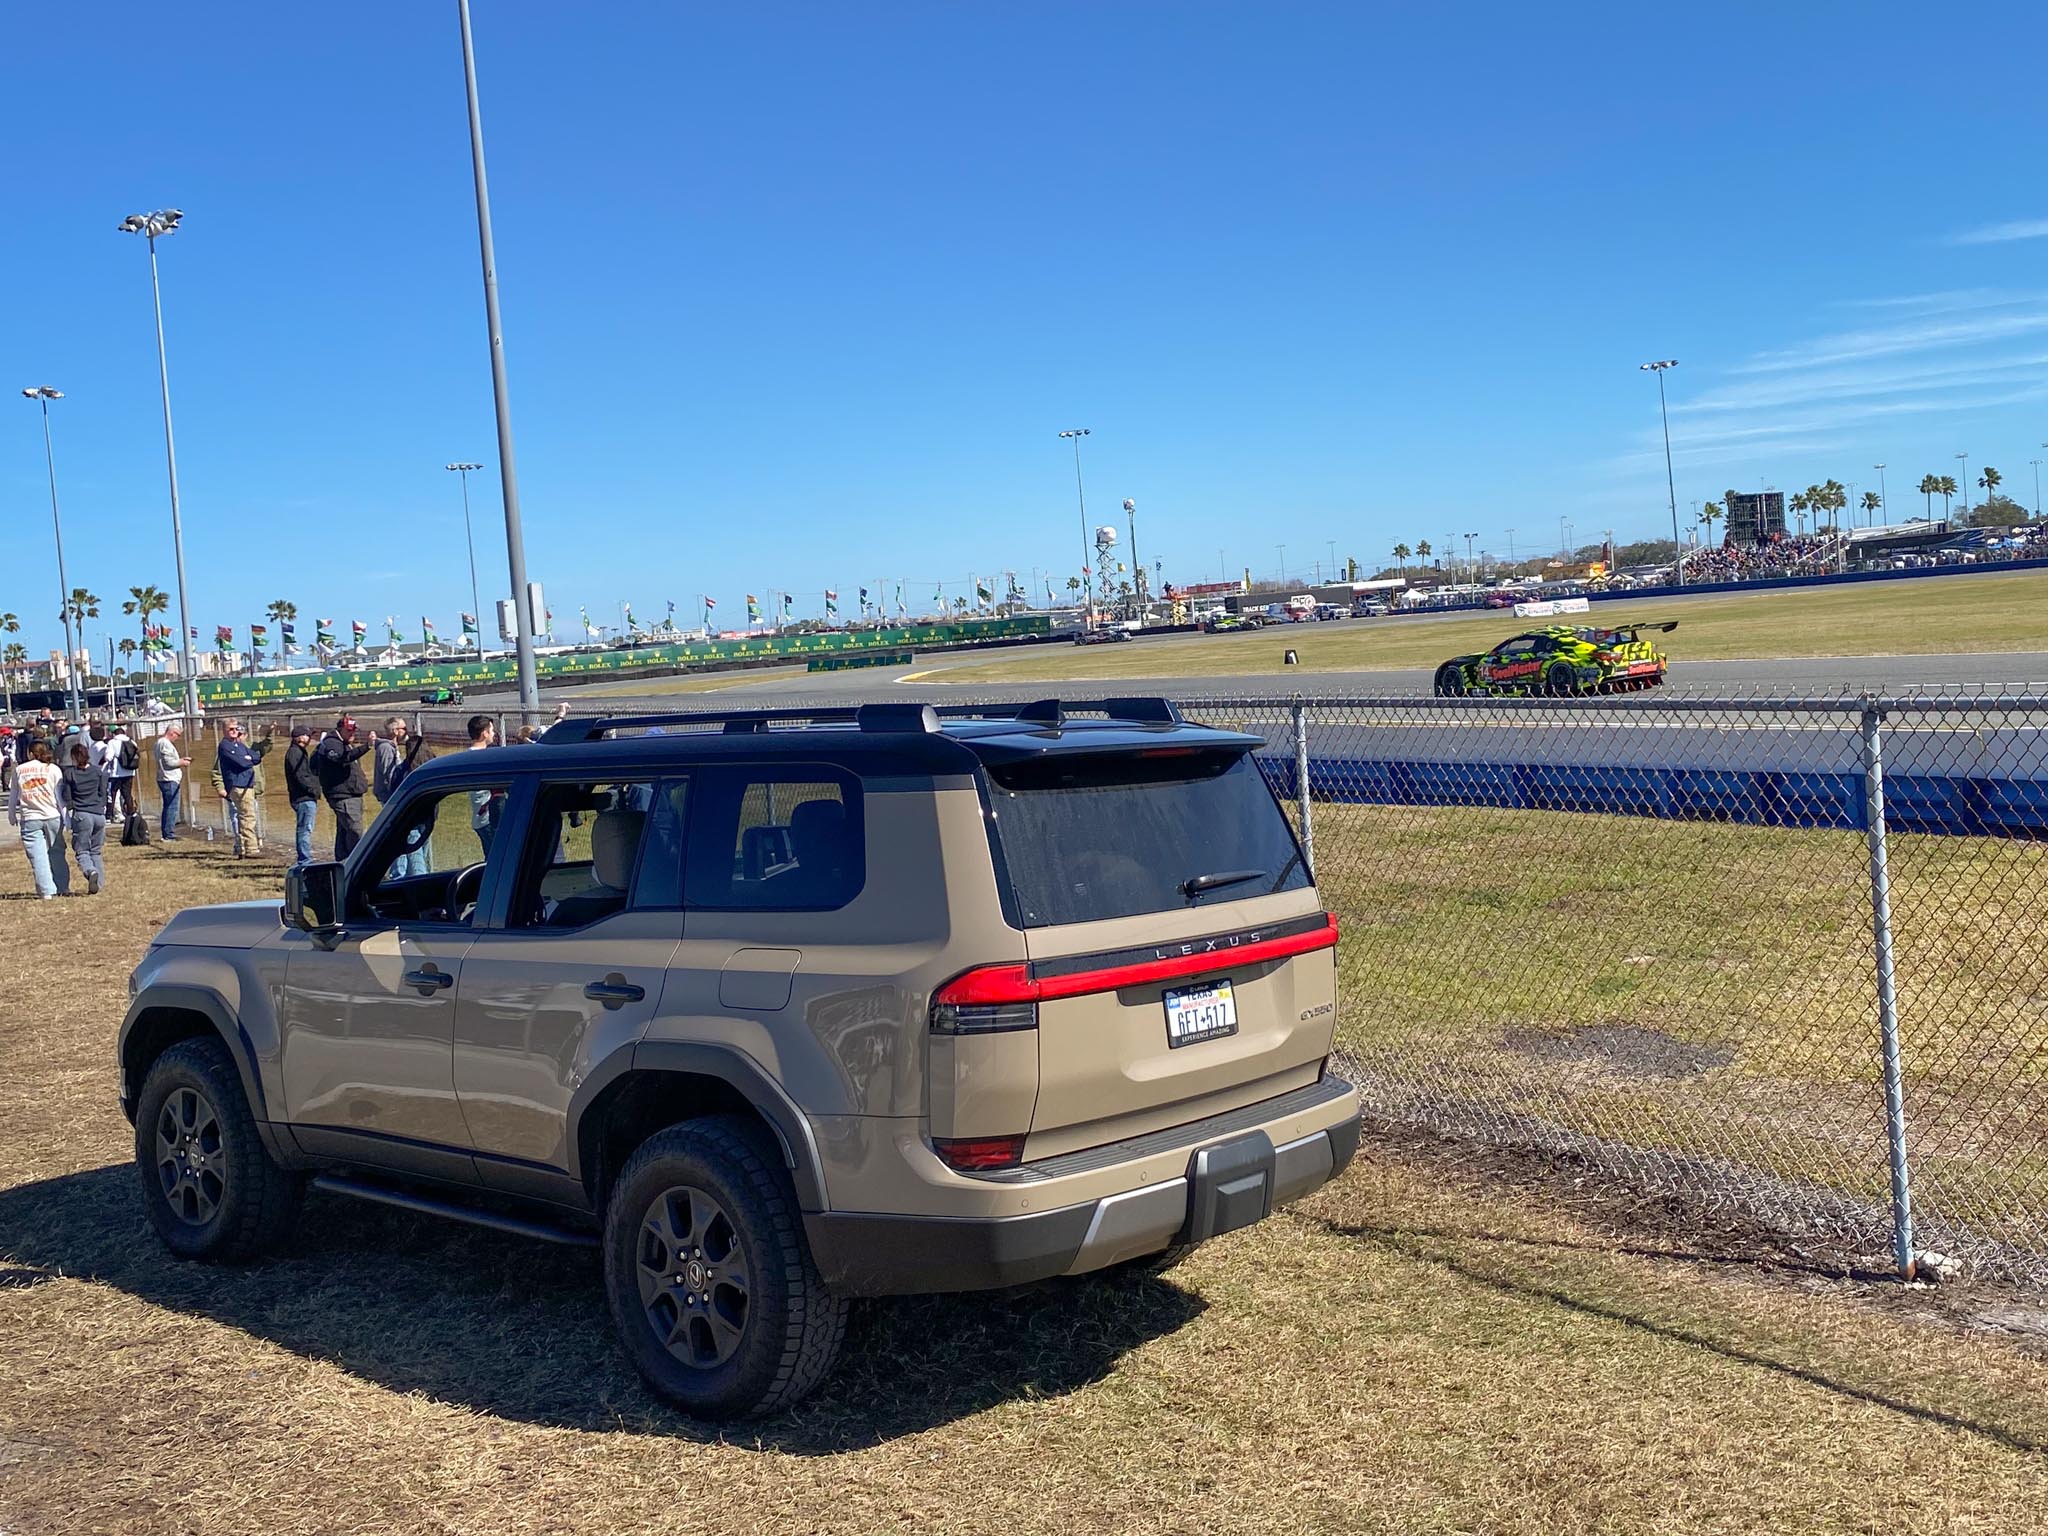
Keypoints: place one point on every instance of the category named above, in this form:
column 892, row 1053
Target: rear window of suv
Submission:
column 1084, row 838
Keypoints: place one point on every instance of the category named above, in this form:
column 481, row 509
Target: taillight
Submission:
column 980, row 1154
column 986, row 1000
column 1605, row 658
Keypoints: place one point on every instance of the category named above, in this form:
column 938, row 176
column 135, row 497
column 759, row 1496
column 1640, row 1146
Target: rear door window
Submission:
column 1084, row 838
column 775, row 839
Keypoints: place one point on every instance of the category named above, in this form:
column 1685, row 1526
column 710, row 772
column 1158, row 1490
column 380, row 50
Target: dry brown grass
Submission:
column 1415, row 1349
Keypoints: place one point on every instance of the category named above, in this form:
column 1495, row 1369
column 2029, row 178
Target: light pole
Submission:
column 508, row 476
column 1670, row 482
column 1882, row 503
column 42, row 394
column 1283, row 563
column 1564, row 534
column 1074, row 435
column 2037, row 483
column 1966, row 485
column 1468, row 555
column 1137, row 565
column 476, row 605
column 165, row 221
column 1511, row 551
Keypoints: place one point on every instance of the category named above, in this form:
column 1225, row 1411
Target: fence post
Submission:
column 1887, row 999
column 1308, row 825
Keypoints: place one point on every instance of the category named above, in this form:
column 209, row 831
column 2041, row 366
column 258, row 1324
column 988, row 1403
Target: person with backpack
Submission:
column 302, row 784
column 122, row 760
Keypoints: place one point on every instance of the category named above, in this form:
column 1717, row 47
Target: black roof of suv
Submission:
column 873, row 738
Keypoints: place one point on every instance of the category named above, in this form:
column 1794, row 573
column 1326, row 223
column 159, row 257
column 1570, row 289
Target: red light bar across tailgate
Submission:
column 1015, row 983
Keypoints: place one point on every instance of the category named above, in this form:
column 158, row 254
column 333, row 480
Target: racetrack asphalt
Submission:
column 1806, row 677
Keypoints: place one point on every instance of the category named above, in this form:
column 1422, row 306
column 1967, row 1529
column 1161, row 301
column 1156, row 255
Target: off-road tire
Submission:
column 1450, row 682
column 793, row 1325
column 253, row 1202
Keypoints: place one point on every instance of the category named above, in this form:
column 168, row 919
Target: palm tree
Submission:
column 1834, row 497
column 1074, row 584
column 1871, row 503
column 1422, row 551
column 1991, row 479
column 1930, row 486
column 1801, row 500
column 1709, row 515
column 14, row 663
column 80, row 606
column 1401, row 554
column 127, row 649
column 145, row 603
column 1948, row 489
column 10, row 624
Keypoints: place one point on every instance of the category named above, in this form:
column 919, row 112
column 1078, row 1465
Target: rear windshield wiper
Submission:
column 1200, row 884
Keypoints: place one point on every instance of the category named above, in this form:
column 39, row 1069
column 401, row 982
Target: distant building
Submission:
column 1754, row 518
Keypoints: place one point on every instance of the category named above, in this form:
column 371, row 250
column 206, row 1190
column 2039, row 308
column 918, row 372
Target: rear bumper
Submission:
column 1230, row 1181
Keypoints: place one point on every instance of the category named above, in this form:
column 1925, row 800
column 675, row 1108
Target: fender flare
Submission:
column 214, row 1008
column 728, row 1065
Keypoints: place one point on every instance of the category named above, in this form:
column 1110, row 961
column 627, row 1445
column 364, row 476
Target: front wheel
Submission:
column 711, row 1286
column 1450, row 682
column 211, row 1191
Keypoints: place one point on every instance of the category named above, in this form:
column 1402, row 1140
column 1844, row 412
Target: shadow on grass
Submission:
column 1433, row 1247
column 520, row 1329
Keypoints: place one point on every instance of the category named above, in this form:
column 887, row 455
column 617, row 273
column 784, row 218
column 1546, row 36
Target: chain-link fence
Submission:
column 1782, row 956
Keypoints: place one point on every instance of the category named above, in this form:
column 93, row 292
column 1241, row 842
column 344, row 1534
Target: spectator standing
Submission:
column 302, row 783
column 170, row 778
column 337, row 763
column 485, row 805
column 32, row 806
column 83, row 796
column 121, row 759
column 396, row 754
column 237, row 763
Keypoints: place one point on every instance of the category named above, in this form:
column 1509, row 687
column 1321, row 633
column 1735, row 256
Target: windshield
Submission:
column 1086, row 838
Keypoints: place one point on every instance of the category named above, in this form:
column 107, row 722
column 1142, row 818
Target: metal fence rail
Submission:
column 1781, row 957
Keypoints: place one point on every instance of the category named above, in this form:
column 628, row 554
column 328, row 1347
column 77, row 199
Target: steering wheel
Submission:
column 464, row 890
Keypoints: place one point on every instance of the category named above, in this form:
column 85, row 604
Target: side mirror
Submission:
column 312, row 897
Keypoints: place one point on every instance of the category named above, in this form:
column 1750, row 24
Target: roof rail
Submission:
column 874, row 719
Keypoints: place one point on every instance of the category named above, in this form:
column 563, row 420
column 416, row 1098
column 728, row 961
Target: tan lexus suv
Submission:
column 775, row 1009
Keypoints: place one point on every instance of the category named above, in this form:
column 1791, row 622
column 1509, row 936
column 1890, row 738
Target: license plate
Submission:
column 1200, row 1013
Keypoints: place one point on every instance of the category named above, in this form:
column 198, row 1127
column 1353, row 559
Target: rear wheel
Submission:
column 211, row 1191
column 711, row 1286
column 1450, row 681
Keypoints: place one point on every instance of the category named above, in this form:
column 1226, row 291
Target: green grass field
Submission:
column 1705, row 989
column 1992, row 612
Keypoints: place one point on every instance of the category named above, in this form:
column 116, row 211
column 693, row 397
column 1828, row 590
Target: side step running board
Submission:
column 405, row 1200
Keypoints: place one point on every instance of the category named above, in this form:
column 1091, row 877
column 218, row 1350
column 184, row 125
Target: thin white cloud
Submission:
column 1998, row 234
column 1946, row 301
column 1769, row 391
column 1893, row 341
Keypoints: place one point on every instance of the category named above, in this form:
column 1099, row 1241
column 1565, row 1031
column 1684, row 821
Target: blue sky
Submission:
column 799, row 295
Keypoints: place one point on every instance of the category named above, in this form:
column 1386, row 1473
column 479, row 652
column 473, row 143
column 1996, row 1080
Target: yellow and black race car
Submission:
column 1561, row 660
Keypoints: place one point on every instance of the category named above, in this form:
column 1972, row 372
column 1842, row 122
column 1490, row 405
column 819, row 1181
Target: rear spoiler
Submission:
column 1635, row 630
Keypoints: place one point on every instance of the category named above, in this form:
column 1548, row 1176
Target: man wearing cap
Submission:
column 337, row 764
column 302, row 784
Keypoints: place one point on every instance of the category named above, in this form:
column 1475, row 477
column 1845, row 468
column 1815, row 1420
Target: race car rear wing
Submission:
column 1635, row 631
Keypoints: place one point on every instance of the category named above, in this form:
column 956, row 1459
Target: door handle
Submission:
column 429, row 980
column 614, row 991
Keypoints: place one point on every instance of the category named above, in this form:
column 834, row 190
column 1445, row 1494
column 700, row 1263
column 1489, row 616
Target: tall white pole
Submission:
column 163, row 370
column 515, row 543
